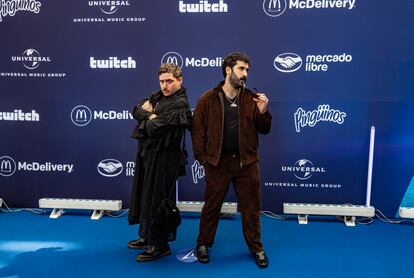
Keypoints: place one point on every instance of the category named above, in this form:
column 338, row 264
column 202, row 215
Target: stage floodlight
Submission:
column 406, row 212
column 98, row 206
column 187, row 206
column 349, row 212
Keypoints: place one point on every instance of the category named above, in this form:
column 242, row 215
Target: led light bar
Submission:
column 406, row 212
column 184, row 206
column 98, row 206
column 349, row 211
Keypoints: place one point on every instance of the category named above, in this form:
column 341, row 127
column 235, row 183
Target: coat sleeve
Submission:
column 199, row 131
column 263, row 122
column 140, row 114
column 179, row 115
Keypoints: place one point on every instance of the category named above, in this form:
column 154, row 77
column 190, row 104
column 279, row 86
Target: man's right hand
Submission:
column 147, row 106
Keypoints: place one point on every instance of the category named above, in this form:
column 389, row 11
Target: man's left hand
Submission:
column 261, row 102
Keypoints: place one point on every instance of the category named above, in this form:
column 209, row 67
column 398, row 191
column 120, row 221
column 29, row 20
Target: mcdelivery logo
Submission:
column 275, row 8
column 81, row 115
column 110, row 168
column 196, row 62
column 172, row 58
column 7, row 166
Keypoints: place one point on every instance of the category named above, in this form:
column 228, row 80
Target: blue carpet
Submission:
column 75, row 246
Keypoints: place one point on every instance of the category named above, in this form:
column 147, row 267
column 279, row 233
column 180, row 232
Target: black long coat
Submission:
column 159, row 156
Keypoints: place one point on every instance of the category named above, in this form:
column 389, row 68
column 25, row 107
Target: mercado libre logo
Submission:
column 275, row 8
column 11, row 7
column 291, row 62
column 287, row 62
column 111, row 168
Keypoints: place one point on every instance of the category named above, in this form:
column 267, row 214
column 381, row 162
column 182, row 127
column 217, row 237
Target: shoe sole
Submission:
column 205, row 261
column 137, row 247
column 148, row 259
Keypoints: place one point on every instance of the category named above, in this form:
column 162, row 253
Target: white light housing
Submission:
column 349, row 211
column 406, row 212
column 184, row 206
column 98, row 206
column 1, row 202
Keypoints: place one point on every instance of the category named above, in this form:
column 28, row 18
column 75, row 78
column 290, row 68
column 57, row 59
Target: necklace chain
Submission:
column 233, row 103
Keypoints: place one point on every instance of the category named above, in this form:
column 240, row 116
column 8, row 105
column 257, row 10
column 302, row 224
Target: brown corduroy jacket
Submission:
column 207, row 130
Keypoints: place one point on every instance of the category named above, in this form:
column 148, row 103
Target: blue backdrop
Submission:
column 71, row 70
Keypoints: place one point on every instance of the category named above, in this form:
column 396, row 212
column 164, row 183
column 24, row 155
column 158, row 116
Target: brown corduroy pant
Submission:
column 247, row 188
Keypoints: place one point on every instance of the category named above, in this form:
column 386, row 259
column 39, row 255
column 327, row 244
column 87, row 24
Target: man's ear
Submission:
column 228, row 70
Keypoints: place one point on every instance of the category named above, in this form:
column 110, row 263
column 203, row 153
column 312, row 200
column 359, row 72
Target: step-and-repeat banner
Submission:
column 71, row 71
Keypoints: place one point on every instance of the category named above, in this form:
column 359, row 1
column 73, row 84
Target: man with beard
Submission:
column 226, row 123
column 162, row 121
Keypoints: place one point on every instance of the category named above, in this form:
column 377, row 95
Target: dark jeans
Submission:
column 246, row 185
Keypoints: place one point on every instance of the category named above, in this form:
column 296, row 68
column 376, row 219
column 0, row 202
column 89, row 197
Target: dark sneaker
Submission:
column 140, row 243
column 202, row 254
column 153, row 253
column 261, row 259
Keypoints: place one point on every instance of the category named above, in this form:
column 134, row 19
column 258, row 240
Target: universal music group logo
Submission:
column 32, row 60
column 111, row 12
